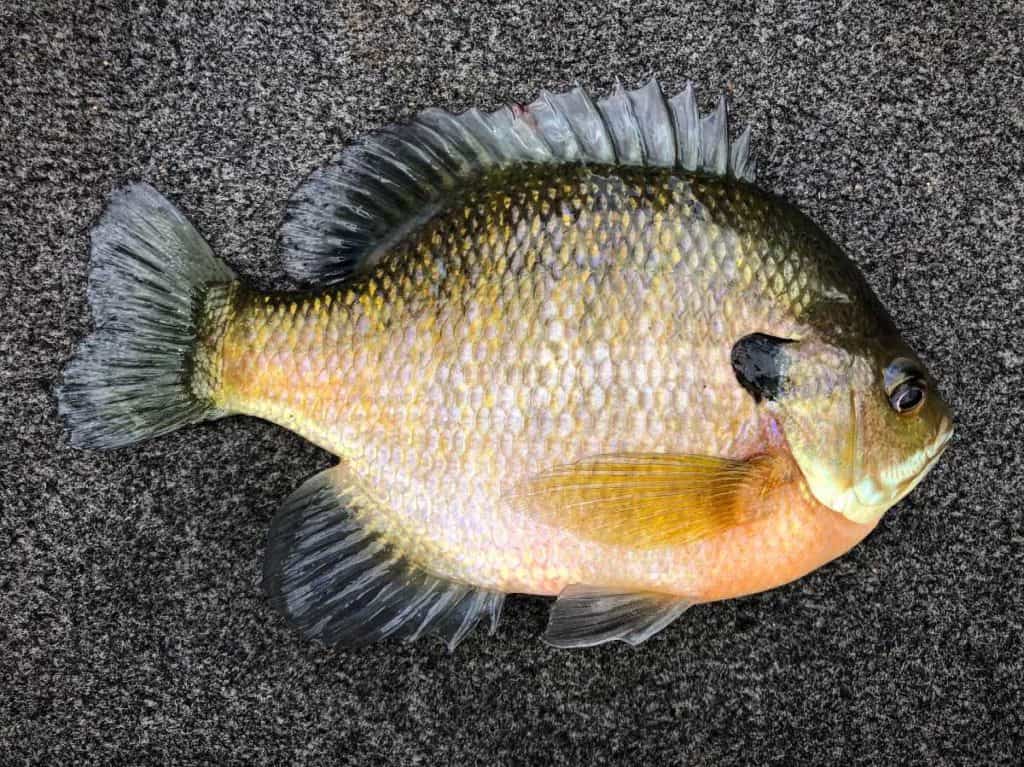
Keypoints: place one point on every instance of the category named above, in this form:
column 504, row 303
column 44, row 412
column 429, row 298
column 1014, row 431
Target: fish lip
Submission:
column 936, row 453
column 940, row 445
column 932, row 457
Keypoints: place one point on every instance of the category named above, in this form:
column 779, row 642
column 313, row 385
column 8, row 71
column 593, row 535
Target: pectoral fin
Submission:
column 583, row 616
column 649, row 500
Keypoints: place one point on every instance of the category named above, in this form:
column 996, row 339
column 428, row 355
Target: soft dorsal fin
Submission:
column 339, row 582
column 384, row 186
column 584, row 616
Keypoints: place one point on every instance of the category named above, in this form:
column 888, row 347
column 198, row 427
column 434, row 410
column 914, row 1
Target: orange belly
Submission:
column 798, row 537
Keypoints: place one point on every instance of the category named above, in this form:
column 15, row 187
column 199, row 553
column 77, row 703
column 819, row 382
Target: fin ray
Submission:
column 650, row 500
column 154, row 288
column 584, row 616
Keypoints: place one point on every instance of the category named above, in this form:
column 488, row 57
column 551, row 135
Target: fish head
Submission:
column 863, row 419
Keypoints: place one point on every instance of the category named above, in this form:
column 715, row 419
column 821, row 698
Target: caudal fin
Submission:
column 154, row 288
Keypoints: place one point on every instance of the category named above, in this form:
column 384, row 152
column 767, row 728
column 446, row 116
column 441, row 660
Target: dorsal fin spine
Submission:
column 633, row 122
column 684, row 109
column 527, row 119
column 714, row 140
column 739, row 162
column 577, row 152
column 652, row 111
column 598, row 145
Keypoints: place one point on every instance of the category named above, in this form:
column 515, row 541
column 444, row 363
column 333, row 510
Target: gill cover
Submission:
column 805, row 386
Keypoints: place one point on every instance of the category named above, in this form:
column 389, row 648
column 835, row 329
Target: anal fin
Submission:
column 341, row 583
column 584, row 616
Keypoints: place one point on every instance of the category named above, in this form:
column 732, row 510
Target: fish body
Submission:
column 545, row 316
column 637, row 385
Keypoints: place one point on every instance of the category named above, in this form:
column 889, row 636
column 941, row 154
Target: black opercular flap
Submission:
column 759, row 363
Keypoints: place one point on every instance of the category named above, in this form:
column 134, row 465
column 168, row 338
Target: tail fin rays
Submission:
column 153, row 282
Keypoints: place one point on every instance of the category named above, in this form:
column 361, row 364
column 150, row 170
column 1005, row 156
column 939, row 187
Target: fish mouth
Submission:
column 932, row 454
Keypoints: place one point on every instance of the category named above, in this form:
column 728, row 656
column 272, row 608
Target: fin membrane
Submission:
column 340, row 583
column 584, row 616
column 378, row 190
column 645, row 500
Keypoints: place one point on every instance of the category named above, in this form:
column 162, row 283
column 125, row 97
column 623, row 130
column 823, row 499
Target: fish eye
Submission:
column 908, row 396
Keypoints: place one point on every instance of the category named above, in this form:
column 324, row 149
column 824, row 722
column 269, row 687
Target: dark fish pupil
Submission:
column 907, row 396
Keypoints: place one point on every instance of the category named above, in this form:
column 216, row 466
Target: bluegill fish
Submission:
column 568, row 349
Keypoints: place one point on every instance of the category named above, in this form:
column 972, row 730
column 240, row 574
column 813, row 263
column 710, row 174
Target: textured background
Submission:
column 132, row 626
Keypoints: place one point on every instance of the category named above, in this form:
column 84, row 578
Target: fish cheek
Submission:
column 823, row 438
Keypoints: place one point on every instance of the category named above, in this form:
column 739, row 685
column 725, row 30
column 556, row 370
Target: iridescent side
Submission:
column 550, row 314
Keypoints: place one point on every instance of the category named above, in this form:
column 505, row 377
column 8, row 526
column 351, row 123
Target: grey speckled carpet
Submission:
column 132, row 627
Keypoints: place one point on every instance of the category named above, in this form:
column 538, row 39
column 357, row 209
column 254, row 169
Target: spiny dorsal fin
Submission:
column 339, row 582
column 386, row 185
